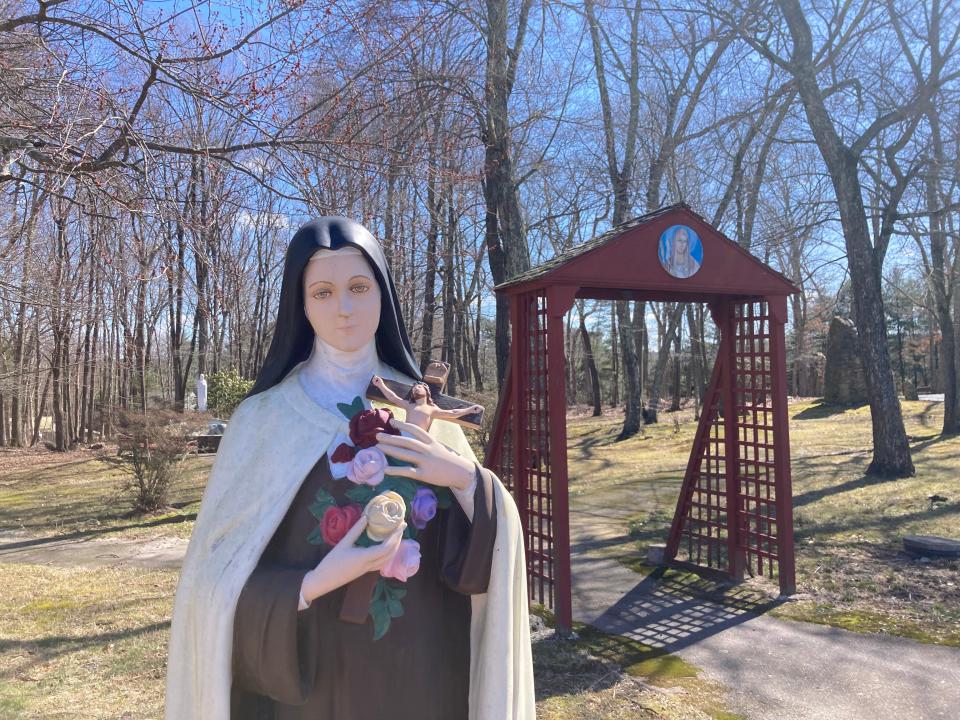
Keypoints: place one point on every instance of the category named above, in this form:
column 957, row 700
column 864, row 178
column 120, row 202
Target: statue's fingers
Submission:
column 353, row 534
column 399, row 441
column 400, row 453
column 407, row 471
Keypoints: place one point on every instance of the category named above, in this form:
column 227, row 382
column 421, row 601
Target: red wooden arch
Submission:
column 734, row 513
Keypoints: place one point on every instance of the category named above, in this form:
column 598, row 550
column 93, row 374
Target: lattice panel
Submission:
column 753, row 401
column 699, row 532
column 533, row 448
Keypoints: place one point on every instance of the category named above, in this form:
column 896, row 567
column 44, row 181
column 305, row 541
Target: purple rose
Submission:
column 405, row 561
column 423, row 508
column 368, row 467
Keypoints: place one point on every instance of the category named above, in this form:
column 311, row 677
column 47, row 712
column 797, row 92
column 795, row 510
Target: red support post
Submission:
column 519, row 431
column 728, row 340
column 559, row 301
column 781, row 439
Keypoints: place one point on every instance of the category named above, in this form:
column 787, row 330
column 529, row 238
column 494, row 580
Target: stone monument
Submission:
column 843, row 378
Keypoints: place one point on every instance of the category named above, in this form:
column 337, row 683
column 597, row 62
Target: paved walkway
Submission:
column 774, row 669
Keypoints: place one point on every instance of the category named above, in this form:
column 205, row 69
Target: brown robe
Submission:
column 300, row 665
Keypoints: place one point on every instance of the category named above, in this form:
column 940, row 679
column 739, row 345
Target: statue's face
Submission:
column 681, row 243
column 419, row 392
column 341, row 300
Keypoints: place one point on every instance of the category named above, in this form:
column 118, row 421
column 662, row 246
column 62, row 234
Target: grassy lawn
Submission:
column 83, row 642
column 851, row 571
column 79, row 492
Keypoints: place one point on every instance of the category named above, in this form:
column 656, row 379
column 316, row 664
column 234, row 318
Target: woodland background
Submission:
column 156, row 157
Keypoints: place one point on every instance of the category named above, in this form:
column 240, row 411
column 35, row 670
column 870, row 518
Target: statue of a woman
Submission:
column 281, row 539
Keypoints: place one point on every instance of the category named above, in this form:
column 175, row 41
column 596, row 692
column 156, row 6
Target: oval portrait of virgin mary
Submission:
column 680, row 251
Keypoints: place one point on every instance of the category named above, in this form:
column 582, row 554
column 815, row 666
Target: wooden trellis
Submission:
column 734, row 512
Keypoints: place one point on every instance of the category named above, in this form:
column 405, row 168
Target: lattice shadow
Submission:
column 672, row 611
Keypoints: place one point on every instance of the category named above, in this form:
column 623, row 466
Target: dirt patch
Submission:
column 164, row 553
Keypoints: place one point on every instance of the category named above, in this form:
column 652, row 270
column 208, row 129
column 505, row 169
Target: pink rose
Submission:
column 405, row 561
column 337, row 520
column 368, row 467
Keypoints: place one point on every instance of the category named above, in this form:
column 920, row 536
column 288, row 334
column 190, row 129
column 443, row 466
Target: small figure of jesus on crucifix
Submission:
column 421, row 408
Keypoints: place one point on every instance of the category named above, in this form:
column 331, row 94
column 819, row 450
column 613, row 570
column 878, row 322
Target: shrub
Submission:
column 151, row 446
column 225, row 390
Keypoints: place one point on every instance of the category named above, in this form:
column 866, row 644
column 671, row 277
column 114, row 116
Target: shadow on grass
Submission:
column 823, row 410
column 53, row 646
column 889, row 525
column 924, row 416
column 82, row 534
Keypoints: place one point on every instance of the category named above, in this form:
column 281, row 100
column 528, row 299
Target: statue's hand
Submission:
column 433, row 463
column 346, row 562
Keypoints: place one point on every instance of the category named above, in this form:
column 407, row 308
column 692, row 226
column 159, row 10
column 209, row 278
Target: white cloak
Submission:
column 271, row 443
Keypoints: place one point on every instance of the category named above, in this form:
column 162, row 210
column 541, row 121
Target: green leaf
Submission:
column 444, row 497
column 410, row 532
column 348, row 411
column 404, row 487
column 315, row 537
column 395, row 462
column 394, row 608
column 322, row 501
column 361, row 493
column 381, row 619
column 365, row 541
column 378, row 590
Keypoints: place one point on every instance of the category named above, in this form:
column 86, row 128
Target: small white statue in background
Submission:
column 202, row 393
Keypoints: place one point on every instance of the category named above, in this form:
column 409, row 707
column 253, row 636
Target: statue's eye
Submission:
column 360, row 288
column 322, row 294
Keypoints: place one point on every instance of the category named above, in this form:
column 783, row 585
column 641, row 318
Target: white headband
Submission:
column 327, row 252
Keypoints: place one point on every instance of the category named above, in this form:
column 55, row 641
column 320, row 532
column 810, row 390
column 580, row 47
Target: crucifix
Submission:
column 424, row 401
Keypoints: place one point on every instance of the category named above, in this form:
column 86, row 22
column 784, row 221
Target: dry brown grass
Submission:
column 83, row 643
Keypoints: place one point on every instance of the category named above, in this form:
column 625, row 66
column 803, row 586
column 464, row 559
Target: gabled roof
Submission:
column 626, row 258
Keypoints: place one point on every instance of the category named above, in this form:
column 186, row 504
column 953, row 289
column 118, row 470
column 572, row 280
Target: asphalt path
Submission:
column 773, row 669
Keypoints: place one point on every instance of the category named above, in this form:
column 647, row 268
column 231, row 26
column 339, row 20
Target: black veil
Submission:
column 293, row 336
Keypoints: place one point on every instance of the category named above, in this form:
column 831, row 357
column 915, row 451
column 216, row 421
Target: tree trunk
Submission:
column 677, row 370
column 450, row 306
column 504, row 233
column 614, row 357
column 631, row 375
column 591, row 364
column 663, row 356
column 430, row 281
column 891, row 450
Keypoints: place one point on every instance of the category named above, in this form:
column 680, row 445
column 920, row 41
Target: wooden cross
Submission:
column 435, row 378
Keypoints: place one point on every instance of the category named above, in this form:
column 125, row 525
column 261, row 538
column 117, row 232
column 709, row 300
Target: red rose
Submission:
column 365, row 425
column 343, row 453
column 337, row 520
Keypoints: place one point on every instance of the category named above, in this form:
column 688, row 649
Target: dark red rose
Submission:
column 337, row 520
column 365, row 425
column 343, row 453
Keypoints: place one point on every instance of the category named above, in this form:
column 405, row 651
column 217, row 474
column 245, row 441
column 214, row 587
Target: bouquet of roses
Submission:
column 386, row 500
